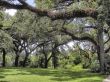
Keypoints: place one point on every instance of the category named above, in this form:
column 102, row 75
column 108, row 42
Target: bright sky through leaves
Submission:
column 13, row 11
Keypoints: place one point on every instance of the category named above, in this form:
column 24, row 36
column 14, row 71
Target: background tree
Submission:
column 98, row 11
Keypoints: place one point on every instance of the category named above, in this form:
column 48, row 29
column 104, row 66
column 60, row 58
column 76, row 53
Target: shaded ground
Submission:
column 48, row 75
column 107, row 79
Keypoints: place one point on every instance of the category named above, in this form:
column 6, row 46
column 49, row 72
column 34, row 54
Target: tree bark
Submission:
column 55, row 61
column 53, row 14
column 46, row 62
column 25, row 60
column 54, row 57
column 17, row 59
column 101, row 49
column 4, row 56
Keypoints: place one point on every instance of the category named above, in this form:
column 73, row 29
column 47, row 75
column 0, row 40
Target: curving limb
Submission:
column 52, row 13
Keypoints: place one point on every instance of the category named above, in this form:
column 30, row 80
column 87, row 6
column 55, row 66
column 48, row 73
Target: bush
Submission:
column 77, row 60
column 95, row 66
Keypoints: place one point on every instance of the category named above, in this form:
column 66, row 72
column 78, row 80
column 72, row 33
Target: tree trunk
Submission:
column 25, row 60
column 46, row 62
column 55, row 61
column 17, row 59
column 101, row 50
column 26, row 55
column 54, row 58
column 4, row 56
column 41, row 61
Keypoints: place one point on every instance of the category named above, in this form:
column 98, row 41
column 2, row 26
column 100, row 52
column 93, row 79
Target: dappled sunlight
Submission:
column 54, row 40
column 49, row 75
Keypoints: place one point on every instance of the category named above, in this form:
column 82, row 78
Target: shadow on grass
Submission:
column 65, row 79
column 90, row 80
column 2, row 70
column 57, row 75
column 65, row 75
column 2, row 76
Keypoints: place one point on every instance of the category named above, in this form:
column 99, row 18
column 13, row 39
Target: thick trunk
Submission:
column 26, row 54
column 55, row 61
column 41, row 63
column 101, row 50
column 25, row 60
column 17, row 59
column 54, row 14
column 54, row 58
column 46, row 62
column 4, row 56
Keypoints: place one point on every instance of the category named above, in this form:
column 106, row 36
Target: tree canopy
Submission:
column 53, row 23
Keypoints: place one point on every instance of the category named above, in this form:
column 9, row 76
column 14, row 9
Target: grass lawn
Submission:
column 48, row 75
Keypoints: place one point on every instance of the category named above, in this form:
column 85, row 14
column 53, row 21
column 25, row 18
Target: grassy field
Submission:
column 48, row 75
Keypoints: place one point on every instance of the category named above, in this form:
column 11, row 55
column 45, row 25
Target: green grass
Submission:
column 48, row 75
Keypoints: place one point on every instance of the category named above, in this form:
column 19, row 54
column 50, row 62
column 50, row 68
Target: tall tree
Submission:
column 87, row 8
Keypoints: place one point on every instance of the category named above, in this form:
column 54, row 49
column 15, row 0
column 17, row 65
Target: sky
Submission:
column 13, row 11
column 31, row 2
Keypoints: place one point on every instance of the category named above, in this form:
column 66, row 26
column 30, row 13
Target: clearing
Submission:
column 75, row 74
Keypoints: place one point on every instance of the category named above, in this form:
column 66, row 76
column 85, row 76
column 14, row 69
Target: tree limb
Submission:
column 53, row 14
column 64, row 30
column 107, row 50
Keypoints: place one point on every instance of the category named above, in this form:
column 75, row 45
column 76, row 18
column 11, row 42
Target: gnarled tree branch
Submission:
column 64, row 30
column 53, row 14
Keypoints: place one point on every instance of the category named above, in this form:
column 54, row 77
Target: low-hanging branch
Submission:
column 64, row 30
column 53, row 14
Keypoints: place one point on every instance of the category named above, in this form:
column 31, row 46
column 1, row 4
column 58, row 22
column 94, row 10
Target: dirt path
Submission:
column 107, row 79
